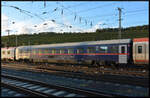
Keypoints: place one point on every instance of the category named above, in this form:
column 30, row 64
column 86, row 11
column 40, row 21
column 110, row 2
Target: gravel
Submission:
column 97, row 86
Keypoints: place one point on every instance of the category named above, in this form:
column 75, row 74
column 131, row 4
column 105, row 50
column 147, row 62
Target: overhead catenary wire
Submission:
column 24, row 11
column 106, row 15
column 82, row 11
column 92, row 9
column 86, row 10
column 33, row 14
column 75, row 15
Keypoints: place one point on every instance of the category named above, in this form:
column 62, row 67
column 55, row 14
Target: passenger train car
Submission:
column 8, row 53
column 141, row 50
column 105, row 52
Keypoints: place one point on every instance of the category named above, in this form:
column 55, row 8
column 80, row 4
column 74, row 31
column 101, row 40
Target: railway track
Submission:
column 22, row 91
column 104, row 87
column 7, row 91
column 36, row 88
column 121, row 79
column 140, row 81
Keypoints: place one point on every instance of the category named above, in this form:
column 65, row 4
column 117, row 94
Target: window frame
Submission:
column 141, row 51
column 100, row 51
column 91, row 48
column 123, row 47
column 3, row 52
column 78, row 50
column 70, row 52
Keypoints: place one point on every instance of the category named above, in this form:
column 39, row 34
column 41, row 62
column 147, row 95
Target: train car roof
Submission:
column 115, row 41
column 8, row 48
column 141, row 39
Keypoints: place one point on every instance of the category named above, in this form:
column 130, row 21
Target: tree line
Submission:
column 52, row 37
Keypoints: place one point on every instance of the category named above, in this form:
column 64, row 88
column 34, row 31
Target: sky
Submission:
column 28, row 17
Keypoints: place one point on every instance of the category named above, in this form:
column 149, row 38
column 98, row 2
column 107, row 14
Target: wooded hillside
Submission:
column 51, row 37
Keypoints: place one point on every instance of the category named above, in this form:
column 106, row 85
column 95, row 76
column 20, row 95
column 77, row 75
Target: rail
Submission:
column 60, row 89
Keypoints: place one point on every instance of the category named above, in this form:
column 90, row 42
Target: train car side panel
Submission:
column 8, row 53
column 141, row 50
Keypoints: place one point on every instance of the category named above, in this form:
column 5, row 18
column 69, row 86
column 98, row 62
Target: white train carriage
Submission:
column 22, row 52
column 141, row 50
column 8, row 53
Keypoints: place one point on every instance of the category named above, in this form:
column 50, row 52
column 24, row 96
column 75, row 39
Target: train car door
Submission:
column 122, row 53
column 140, row 52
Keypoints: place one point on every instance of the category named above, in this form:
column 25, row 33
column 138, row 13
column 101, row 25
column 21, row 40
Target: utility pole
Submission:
column 8, row 37
column 16, row 39
column 119, row 34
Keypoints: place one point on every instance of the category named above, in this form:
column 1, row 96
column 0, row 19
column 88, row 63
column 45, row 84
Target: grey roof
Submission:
column 116, row 41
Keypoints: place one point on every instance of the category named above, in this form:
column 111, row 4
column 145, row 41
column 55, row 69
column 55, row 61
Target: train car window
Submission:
column 139, row 49
column 80, row 50
column 70, row 51
column 122, row 49
column 50, row 50
column 40, row 51
column 20, row 51
column 103, row 49
column 25, row 50
column 91, row 50
column 37, row 51
column 45, row 50
column 3, row 52
column 8, row 52
column 54, row 51
column 28, row 50
column 66, row 51
column 114, row 49
column 62, row 51
column 58, row 51
column 34, row 51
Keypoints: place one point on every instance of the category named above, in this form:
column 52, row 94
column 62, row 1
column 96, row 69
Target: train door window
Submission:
column 103, row 49
column 139, row 49
column 123, row 49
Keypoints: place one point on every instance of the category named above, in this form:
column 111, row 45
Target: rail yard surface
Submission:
column 100, row 83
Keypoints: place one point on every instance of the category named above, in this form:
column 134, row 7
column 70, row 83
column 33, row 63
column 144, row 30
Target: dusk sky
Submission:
column 29, row 17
